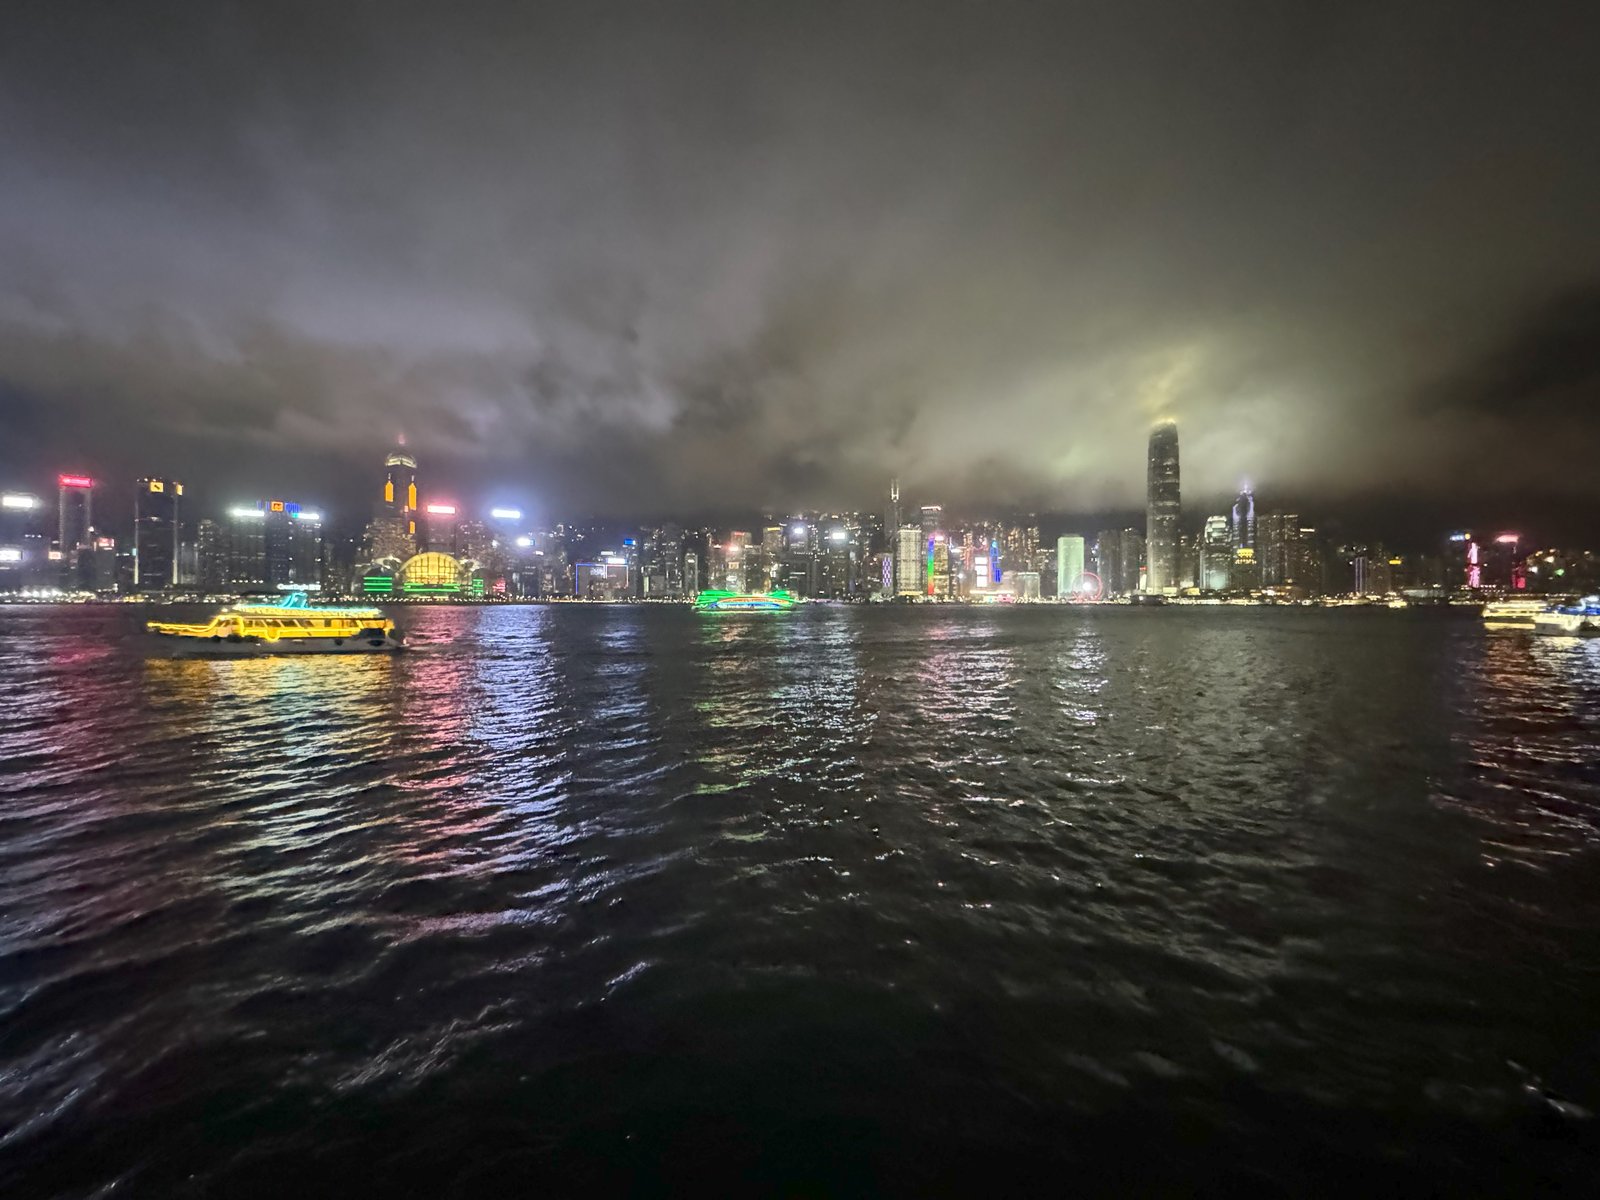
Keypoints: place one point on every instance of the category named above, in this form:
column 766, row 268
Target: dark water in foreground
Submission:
column 918, row 901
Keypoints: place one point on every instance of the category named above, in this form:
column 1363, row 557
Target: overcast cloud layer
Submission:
column 668, row 257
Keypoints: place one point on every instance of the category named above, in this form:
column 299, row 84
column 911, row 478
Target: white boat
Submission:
column 1513, row 612
column 1570, row 620
column 293, row 627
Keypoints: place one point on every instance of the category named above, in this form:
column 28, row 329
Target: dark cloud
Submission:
column 1548, row 368
column 699, row 256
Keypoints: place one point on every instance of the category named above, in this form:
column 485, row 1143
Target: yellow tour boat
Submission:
column 293, row 627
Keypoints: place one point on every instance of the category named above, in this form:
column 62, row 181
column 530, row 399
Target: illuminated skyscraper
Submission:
column 392, row 533
column 1130, row 557
column 661, row 561
column 937, row 565
column 1244, row 520
column 1307, row 565
column 741, row 564
column 836, row 561
column 891, row 524
column 211, row 543
column 24, row 546
column 400, row 487
column 796, row 557
column 246, row 553
column 441, row 529
column 75, row 518
column 767, row 561
column 910, row 573
column 1284, row 553
column 1069, row 567
column 270, row 546
column 1019, row 544
column 1162, row 509
column 155, row 533
column 1216, row 554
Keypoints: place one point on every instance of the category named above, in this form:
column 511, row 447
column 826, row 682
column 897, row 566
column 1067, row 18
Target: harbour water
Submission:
column 838, row 901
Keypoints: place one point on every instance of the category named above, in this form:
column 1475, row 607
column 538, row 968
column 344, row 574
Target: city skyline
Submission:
column 1380, row 516
column 417, row 544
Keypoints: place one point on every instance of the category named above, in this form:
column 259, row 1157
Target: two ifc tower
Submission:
column 1162, row 509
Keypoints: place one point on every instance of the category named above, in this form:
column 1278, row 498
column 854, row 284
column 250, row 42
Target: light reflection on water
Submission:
column 589, row 886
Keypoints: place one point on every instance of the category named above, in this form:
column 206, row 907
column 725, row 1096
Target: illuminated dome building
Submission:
column 434, row 574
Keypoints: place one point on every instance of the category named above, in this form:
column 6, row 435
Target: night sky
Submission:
column 704, row 258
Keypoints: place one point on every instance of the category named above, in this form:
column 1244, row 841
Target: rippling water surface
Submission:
column 592, row 899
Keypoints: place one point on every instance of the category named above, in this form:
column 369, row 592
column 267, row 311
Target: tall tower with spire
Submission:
column 1244, row 520
column 891, row 528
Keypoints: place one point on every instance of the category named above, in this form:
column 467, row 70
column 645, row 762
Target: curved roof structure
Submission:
column 433, row 572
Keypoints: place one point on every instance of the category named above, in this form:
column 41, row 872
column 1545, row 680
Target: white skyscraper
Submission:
column 1069, row 567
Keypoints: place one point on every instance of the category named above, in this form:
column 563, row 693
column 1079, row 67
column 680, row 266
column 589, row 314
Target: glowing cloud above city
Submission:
column 731, row 256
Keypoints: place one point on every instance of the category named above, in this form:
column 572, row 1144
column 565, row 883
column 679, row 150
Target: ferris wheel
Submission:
column 1090, row 588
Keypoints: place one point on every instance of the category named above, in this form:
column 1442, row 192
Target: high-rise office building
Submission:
column 212, row 543
column 24, row 544
column 271, row 546
column 1307, row 562
column 1189, row 554
column 155, row 533
column 661, row 561
column 1287, row 553
column 1049, row 569
column 400, row 487
column 1105, row 559
column 74, row 519
column 440, row 529
column 1163, row 509
column 836, row 561
column 910, row 573
column 1245, row 574
column 1069, row 567
column 1364, row 570
column 246, row 555
column 796, row 559
column 305, row 555
column 1216, row 554
column 479, row 544
column 1244, row 520
column 1118, row 554
column 1019, row 544
column 391, row 535
column 766, row 559
column 740, row 564
column 937, row 565
column 891, row 524
column 1503, row 563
